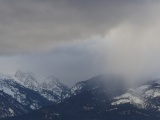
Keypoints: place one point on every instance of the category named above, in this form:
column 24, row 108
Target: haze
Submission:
column 78, row 39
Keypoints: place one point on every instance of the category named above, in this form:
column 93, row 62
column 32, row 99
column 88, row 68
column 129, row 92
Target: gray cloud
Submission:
column 71, row 62
column 77, row 39
column 37, row 25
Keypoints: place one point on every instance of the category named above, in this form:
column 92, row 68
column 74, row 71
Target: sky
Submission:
column 75, row 40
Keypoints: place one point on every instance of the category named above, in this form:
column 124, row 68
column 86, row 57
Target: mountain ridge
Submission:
column 94, row 101
column 101, row 97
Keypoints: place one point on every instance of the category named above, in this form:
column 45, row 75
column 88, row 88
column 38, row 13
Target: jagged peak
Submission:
column 27, row 79
column 21, row 74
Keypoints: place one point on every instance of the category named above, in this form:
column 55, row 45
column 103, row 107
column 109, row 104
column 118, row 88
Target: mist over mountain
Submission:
column 90, row 59
column 76, row 40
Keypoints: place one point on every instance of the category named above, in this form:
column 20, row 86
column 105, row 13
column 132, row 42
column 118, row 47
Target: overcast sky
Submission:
column 78, row 39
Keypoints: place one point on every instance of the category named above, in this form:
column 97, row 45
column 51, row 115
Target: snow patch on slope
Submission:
column 76, row 88
column 129, row 98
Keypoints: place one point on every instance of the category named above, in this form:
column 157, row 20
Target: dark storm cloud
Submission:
column 37, row 25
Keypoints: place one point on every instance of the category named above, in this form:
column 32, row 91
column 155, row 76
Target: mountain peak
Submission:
column 20, row 74
column 27, row 79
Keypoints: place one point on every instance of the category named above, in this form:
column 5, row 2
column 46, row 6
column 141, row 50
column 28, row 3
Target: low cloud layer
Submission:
column 76, row 40
column 71, row 62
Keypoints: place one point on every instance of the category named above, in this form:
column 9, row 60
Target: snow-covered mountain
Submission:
column 18, row 99
column 10, row 107
column 146, row 96
column 27, row 93
column 51, row 88
column 103, row 98
column 26, row 79
column 100, row 98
